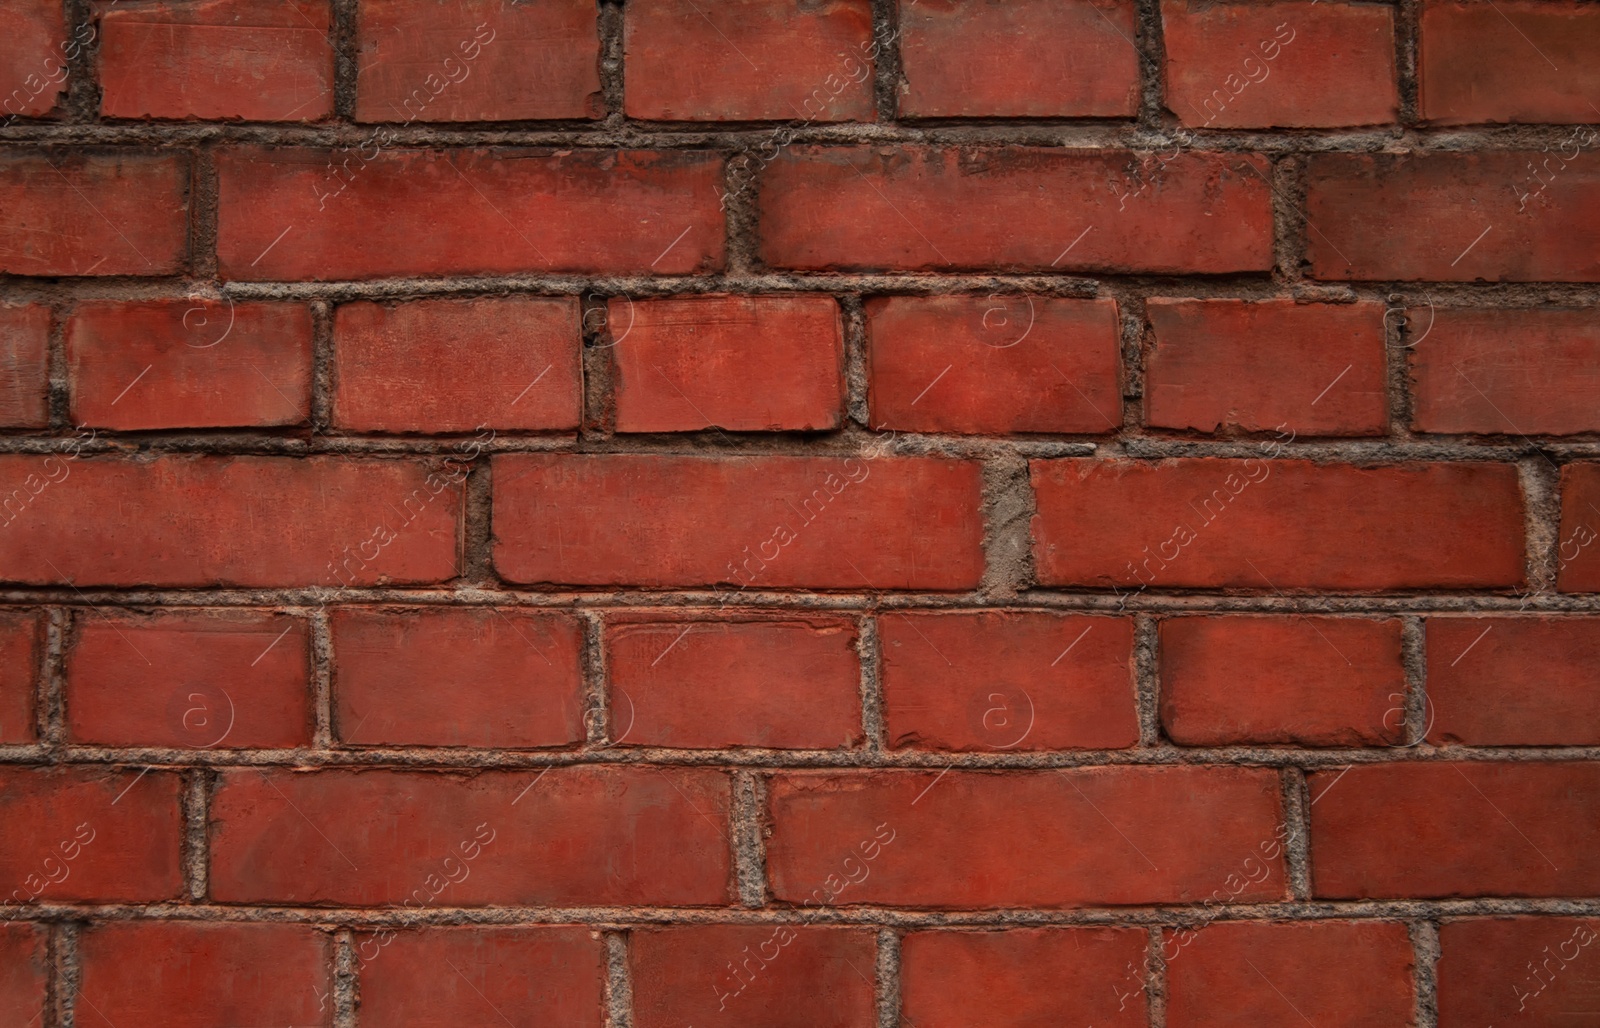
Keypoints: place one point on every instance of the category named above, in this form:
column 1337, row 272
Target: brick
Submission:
column 93, row 835
column 20, row 653
column 1022, row 977
column 465, row 677
column 580, row 836
column 919, row 208
column 749, row 60
column 1471, row 69
column 189, row 364
column 478, row 60
column 24, row 964
column 288, row 214
column 1293, row 65
column 521, row 977
column 93, row 214
column 1276, row 524
column 1377, row 216
column 217, row 60
column 24, row 356
column 1023, row 839
column 1220, row 365
column 710, row 684
column 743, row 363
column 1488, row 829
column 507, row 363
column 329, row 521
column 196, row 974
column 1305, row 681
column 1514, row 681
column 1498, row 971
column 1001, row 680
column 1034, row 59
column 767, row 522
column 1507, row 372
column 1330, row 973
column 217, row 679
column 994, row 365
column 35, row 47
column 772, row 975
column 1579, row 568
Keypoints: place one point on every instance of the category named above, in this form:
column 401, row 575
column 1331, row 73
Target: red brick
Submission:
column 35, row 47
column 710, row 684
column 765, row 522
column 1498, row 971
column 1276, row 524
column 1321, row 65
column 189, row 364
column 290, row 214
column 1000, row 680
column 197, row 974
column 1509, row 61
column 477, row 60
column 19, row 676
column 994, row 365
column 1264, row 366
column 24, row 965
column 580, row 836
column 1378, row 216
column 24, row 355
column 1307, row 681
column 212, row 679
column 749, row 60
column 217, row 60
column 1510, row 681
column 1022, row 839
column 1507, row 372
column 776, row 976
column 228, row 521
column 93, row 834
column 1579, row 569
column 509, row 362
column 93, row 214
column 1334, row 974
column 463, row 677
column 521, row 977
column 1033, row 59
column 1022, row 977
column 919, row 208
column 1421, row 831
column 744, row 363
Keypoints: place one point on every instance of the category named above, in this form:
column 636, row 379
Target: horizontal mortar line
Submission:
column 923, row 916
column 398, row 758
column 715, row 606
column 1130, row 444
column 1056, row 133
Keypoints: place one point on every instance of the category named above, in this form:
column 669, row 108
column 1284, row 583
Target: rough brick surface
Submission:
column 189, row 364
column 860, row 513
column 217, row 60
column 994, row 365
column 482, row 60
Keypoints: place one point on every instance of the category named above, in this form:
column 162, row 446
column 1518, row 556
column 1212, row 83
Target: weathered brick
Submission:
column 24, row 971
column 1470, row 68
column 1514, row 681
column 1579, row 567
column 20, row 651
column 24, row 354
column 93, row 213
column 35, row 48
column 994, row 365
column 1517, row 971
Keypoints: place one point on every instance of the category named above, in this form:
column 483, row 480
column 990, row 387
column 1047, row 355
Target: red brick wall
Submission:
column 844, row 513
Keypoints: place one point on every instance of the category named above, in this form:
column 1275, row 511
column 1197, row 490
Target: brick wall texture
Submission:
column 799, row 513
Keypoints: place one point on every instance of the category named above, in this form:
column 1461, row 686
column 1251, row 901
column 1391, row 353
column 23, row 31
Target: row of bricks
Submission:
column 1331, row 973
column 1020, row 681
column 1235, row 65
column 639, row 835
column 288, row 214
column 860, row 521
column 951, row 364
